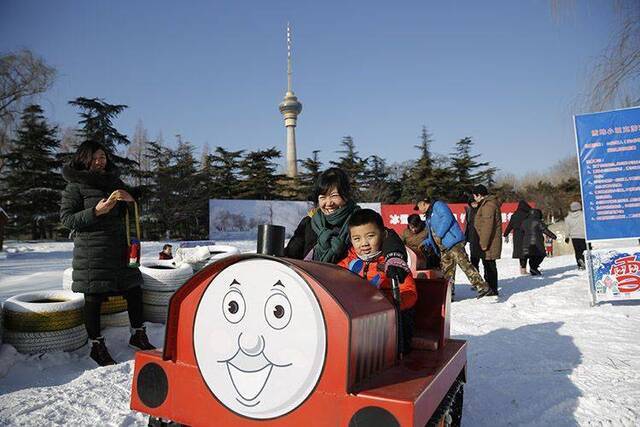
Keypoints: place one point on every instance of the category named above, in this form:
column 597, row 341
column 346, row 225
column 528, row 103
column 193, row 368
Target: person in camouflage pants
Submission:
column 446, row 238
column 450, row 258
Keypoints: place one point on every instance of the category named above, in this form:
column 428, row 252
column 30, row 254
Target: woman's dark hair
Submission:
column 415, row 221
column 332, row 177
column 166, row 246
column 84, row 155
column 366, row 216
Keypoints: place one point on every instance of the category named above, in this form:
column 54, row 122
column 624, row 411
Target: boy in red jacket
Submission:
column 365, row 257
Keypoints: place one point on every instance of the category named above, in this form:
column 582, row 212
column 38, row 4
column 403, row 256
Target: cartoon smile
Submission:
column 249, row 370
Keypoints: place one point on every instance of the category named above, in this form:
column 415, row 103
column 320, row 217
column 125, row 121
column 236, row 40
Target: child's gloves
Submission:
column 395, row 267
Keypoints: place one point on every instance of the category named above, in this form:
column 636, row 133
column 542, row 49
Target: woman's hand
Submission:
column 105, row 205
column 122, row 195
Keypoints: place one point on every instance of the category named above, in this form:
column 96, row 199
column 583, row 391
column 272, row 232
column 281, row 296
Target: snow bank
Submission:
column 538, row 354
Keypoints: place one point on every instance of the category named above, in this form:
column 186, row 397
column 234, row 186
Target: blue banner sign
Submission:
column 609, row 155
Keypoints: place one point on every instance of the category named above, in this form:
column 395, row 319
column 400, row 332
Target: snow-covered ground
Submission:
column 538, row 354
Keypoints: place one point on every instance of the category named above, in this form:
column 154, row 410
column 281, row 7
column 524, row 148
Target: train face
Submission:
column 259, row 338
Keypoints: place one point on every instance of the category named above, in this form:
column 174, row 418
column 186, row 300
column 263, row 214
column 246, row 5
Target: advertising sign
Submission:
column 615, row 274
column 608, row 145
column 395, row 216
column 239, row 219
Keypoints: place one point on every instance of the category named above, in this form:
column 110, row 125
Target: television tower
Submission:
column 290, row 107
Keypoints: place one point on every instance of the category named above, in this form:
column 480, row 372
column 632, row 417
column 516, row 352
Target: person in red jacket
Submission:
column 166, row 252
column 365, row 258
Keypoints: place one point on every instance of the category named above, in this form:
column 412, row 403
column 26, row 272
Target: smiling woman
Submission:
column 323, row 235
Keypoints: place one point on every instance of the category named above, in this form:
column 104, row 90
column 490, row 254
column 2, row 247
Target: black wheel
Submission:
column 449, row 412
column 456, row 408
column 159, row 422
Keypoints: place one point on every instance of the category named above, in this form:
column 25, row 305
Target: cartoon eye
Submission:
column 233, row 306
column 277, row 311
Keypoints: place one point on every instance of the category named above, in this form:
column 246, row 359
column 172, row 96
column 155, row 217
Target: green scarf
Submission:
column 333, row 233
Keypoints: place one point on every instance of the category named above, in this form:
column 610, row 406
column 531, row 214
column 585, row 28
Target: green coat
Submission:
column 100, row 249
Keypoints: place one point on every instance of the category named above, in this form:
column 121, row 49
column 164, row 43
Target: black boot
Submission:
column 99, row 352
column 139, row 340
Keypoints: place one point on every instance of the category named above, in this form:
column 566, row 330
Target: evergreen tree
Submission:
column 32, row 182
column 307, row 178
column 176, row 196
column 158, row 201
column 353, row 165
column 465, row 171
column 423, row 178
column 97, row 125
column 189, row 196
column 376, row 185
column 259, row 171
column 221, row 171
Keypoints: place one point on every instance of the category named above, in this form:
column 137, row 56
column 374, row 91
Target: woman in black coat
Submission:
column 533, row 229
column 471, row 235
column 323, row 235
column 93, row 207
column 521, row 213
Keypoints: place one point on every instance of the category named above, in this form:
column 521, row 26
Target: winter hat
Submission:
column 575, row 206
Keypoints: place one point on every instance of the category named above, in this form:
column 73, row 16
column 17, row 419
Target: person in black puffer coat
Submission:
column 323, row 235
column 521, row 213
column 471, row 235
column 93, row 207
column 533, row 229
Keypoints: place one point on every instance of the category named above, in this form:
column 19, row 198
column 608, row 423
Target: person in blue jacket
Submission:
column 445, row 238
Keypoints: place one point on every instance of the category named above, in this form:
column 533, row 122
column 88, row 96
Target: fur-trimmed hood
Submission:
column 108, row 180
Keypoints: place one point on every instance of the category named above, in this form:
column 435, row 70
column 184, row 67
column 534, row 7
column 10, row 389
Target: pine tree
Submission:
column 307, row 178
column 158, row 201
column 376, row 185
column 176, row 196
column 420, row 180
column 221, row 171
column 97, row 125
column 259, row 171
column 465, row 171
column 353, row 165
column 32, row 182
column 192, row 203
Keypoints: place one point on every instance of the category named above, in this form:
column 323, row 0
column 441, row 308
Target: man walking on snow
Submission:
column 446, row 238
column 488, row 225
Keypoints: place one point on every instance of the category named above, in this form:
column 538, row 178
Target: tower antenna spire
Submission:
column 289, row 85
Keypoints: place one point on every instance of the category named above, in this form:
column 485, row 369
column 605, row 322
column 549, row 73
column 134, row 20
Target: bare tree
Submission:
column 22, row 75
column 615, row 74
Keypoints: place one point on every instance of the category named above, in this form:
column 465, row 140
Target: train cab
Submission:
column 259, row 340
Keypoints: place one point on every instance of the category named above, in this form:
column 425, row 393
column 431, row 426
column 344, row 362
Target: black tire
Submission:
column 449, row 412
column 158, row 422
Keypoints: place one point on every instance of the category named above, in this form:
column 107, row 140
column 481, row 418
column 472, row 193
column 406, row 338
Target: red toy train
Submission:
column 259, row 340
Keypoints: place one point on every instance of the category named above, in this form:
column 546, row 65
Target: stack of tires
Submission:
column 161, row 280
column 38, row 322
column 113, row 311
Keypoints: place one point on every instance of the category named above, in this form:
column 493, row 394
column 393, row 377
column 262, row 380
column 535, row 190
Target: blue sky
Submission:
column 504, row 72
